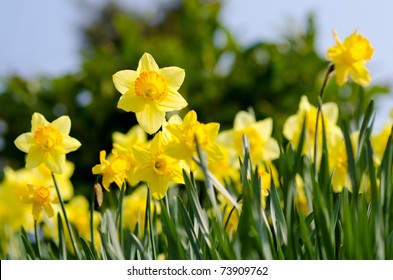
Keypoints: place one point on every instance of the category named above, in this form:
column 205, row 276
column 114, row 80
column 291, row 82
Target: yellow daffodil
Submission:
column 301, row 198
column 123, row 143
column 41, row 197
column 182, row 145
column 135, row 136
column 150, row 92
column 308, row 113
column 64, row 182
column 47, row 143
column 380, row 139
column 262, row 146
column 113, row 169
column 227, row 168
column 350, row 58
column 14, row 187
column 338, row 162
column 265, row 184
column 156, row 168
column 13, row 211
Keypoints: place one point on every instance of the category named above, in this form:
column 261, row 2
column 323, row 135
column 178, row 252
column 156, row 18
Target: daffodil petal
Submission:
column 158, row 186
column 124, row 80
column 171, row 101
column 147, row 63
column 24, row 141
column 330, row 111
column 271, row 150
column 150, row 119
column 62, row 124
column 130, row 102
column 291, row 127
column 342, row 72
column 35, row 157
column 70, row 144
column 38, row 121
column 360, row 74
column 141, row 155
column 264, row 128
column 242, row 120
column 174, row 76
column 55, row 161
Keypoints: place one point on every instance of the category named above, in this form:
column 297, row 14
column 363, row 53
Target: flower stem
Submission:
column 65, row 216
column 151, row 229
column 119, row 214
column 92, row 221
column 37, row 241
column 167, row 204
column 329, row 71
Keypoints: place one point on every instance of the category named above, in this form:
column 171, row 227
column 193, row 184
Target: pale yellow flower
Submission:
column 14, row 187
column 350, row 58
column 124, row 143
column 265, row 184
column 182, row 145
column 113, row 169
column 338, row 162
column 380, row 139
column 47, row 143
column 150, row 92
column 13, row 211
column 156, row 168
column 259, row 134
column 308, row 113
column 301, row 198
column 134, row 136
column 41, row 197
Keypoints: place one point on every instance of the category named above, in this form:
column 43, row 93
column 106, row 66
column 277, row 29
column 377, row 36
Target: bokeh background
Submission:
column 57, row 57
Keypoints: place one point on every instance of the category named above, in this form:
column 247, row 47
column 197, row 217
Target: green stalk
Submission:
column 150, row 220
column 65, row 216
column 37, row 241
column 92, row 221
column 119, row 214
column 167, row 204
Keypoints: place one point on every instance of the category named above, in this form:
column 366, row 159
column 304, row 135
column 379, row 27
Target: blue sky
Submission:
column 42, row 36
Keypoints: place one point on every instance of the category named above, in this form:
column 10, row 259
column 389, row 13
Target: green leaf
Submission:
column 88, row 253
column 175, row 247
column 29, row 248
column 62, row 242
column 192, row 236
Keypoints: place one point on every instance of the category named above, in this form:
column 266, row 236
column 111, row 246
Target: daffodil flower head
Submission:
column 41, row 197
column 135, row 136
column 308, row 113
column 183, row 146
column 47, row 143
column 350, row 58
column 150, row 92
column 262, row 146
column 265, row 184
column 113, row 169
column 338, row 162
column 156, row 168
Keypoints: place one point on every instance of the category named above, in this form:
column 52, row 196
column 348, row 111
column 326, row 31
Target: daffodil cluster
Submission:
column 167, row 142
